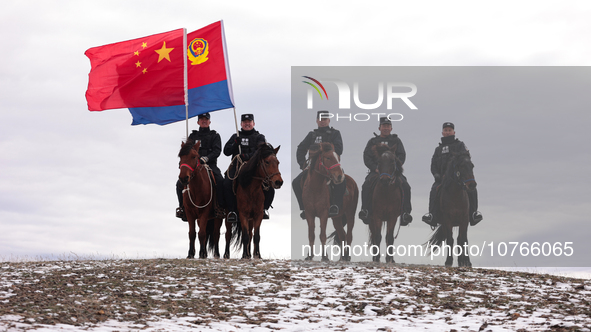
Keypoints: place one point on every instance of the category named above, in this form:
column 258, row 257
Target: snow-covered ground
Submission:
column 233, row 295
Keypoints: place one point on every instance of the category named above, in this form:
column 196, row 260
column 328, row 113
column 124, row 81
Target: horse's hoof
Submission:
column 190, row 257
column 309, row 258
column 226, row 256
column 325, row 259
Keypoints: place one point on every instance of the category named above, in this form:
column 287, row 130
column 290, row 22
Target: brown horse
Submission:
column 454, row 207
column 257, row 174
column 387, row 199
column 324, row 168
column 199, row 202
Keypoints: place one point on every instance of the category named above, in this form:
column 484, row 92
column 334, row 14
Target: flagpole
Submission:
column 186, row 81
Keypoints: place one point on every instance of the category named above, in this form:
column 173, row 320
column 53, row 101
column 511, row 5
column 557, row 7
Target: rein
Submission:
column 187, row 188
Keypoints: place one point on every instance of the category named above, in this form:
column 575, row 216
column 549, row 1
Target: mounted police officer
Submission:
column 242, row 147
column 370, row 160
column 209, row 151
column 324, row 134
column 449, row 144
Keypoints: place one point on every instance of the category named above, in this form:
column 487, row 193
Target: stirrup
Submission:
column 333, row 210
column 232, row 217
column 406, row 219
column 303, row 215
column 428, row 219
column 180, row 213
column 476, row 218
column 364, row 216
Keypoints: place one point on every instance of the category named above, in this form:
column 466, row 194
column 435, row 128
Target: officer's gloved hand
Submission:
column 204, row 159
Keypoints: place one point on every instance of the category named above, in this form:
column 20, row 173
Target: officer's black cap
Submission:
column 449, row 124
column 204, row 115
column 385, row 120
column 247, row 117
column 321, row 112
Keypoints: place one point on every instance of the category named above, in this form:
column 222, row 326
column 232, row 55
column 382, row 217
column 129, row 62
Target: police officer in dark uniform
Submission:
column 243, row 146
column 324, row 134
column 449, row 144
column 209, row 151
column 371, row 162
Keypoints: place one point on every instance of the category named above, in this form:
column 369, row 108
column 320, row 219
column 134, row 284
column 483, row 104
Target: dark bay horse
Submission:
column 454, row 206
column 324, row 168
column 258, row 173
column 199, row 202
column 387, row 199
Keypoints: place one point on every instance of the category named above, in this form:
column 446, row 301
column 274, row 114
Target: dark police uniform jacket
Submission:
column 442, row 154
column 248, row 140
column 320, row 135
column 211, row 146
column 370, row 159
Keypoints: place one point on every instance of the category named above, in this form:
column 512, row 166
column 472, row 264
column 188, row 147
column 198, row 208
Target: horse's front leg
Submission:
column 450, row 246
column 202, row 236
column 391, row 226
column 246, row 236
column 375, row 230
column 217, row 226
column 323, row 223
column 192, row 235
column 256, row 239
column 464, row 258
column 311, row 235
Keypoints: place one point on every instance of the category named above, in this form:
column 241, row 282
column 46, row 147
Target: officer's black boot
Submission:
column 337, row 191
column 180, row 211
column 475, row 216
column 406, row 206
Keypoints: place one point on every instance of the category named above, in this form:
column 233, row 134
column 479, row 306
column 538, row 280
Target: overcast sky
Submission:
column 74, row 182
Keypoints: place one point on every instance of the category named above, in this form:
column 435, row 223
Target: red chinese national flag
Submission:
column 144, row 72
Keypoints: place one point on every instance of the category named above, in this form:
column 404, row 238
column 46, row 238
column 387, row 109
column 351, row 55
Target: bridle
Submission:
column 267, row 179
column 322, row 167
column 391, row 176
column 457, row 177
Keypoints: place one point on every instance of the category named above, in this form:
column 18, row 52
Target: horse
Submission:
column 199, row 202
column 386, row 199
column 454, row 207
column 324, row 168
column 259, row 173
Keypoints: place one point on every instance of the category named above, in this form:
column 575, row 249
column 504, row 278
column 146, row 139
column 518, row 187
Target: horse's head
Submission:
column 389, row 167
column 462, row 170
column 329, row 163
column 270, row 166
column 189, row 155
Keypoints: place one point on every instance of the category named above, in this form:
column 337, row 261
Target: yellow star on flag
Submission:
column 145, row 70
column 144, row 45
column 136, row 53
column 138, row 64
column 164, row 53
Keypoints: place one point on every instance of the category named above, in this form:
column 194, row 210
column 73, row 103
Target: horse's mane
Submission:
column 383, row 148
column 249, row 169
column 186, row 147
column 317, row 149
column 448, row 176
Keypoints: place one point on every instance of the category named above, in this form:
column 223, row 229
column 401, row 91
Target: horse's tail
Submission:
column 438, row 237
column 236, row 236
column 209, row 236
